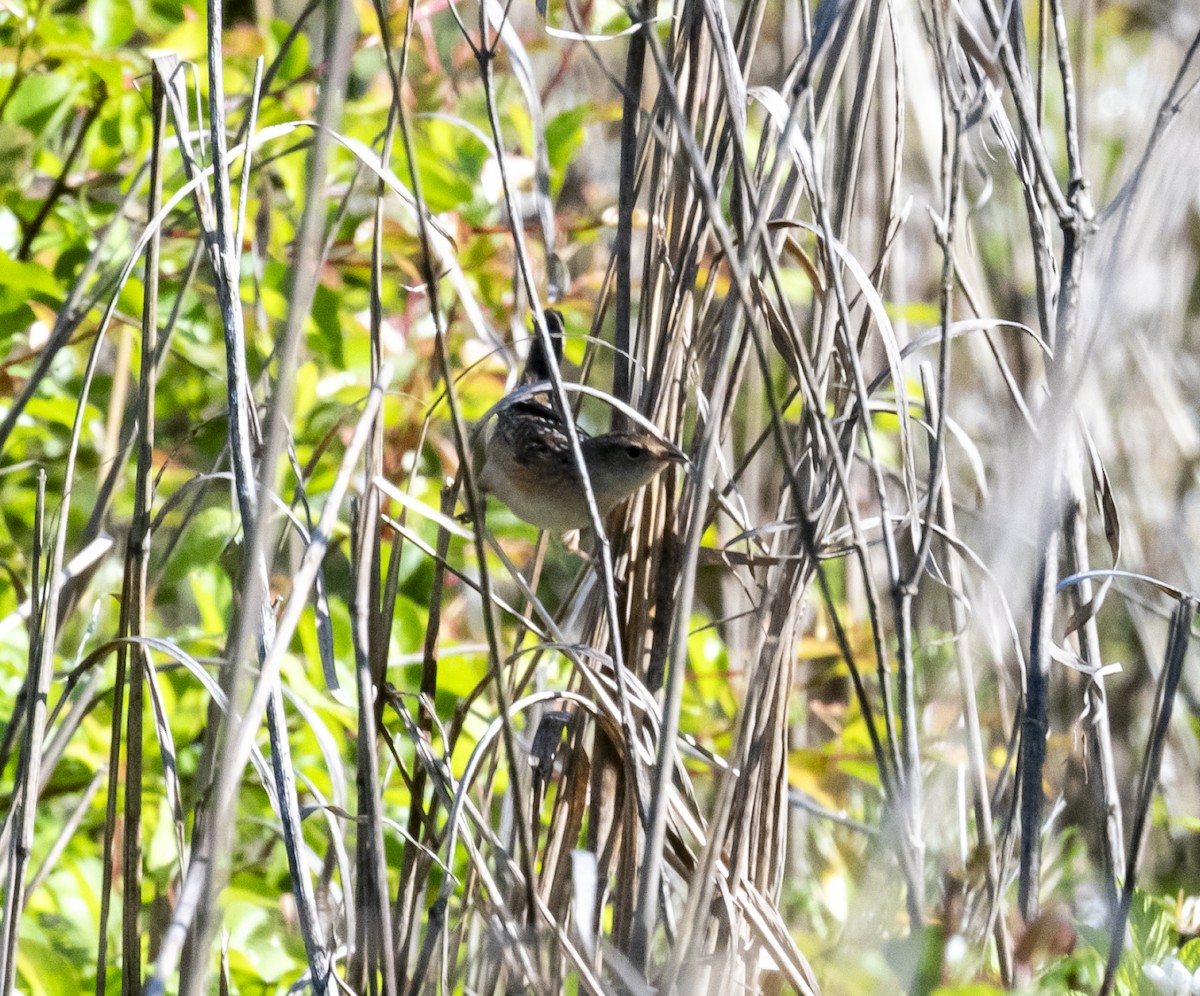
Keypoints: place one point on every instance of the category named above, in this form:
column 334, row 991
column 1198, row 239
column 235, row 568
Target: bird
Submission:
column 529, row 465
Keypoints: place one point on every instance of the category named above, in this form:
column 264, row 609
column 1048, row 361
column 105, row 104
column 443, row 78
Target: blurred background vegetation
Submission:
column 905, row 109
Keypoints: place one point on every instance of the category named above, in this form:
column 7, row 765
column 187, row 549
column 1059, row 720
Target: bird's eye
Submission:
column 634, row 451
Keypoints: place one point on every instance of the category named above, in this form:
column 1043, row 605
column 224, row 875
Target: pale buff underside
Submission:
column 558, row 505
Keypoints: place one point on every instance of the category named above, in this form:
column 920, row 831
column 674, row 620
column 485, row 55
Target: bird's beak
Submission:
column 676, row 455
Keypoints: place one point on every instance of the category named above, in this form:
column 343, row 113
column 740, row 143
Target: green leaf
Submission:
column 1150, row 926
column 44, row 970
column 296, row 61
column 1189, row 954
column 863, row 769
column 41, row 99
column 329, row 327
column 459, row 681
column 21, row 281
column 111, row 22
column 203, row 540
column 446, row 186
column 564, row 134
column 53, row 411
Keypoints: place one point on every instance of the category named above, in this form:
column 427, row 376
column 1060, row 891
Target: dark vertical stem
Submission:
column 522, row 820
column 210, row 848
column 110, row 807
column 1070, row 102
column 374, row 909
column 372, row 618
column 26, row 791
column 1034, row 723
column 408, row 889
column 462, row 445
column 256, row 623
column 137, row 556
column 635, row 66
column 1177, row 646
column 221, row 254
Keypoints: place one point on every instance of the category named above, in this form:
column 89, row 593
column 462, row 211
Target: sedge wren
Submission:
column 529, row 465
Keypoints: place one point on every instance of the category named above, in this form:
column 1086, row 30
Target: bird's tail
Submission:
column 536, row 366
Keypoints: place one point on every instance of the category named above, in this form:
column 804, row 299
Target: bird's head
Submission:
column 621, row 462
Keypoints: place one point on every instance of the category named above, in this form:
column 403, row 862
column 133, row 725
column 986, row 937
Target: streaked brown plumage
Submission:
column 529, row 465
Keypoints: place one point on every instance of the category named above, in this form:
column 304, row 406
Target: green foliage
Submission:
column 75, row 136
column 1150, row 937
